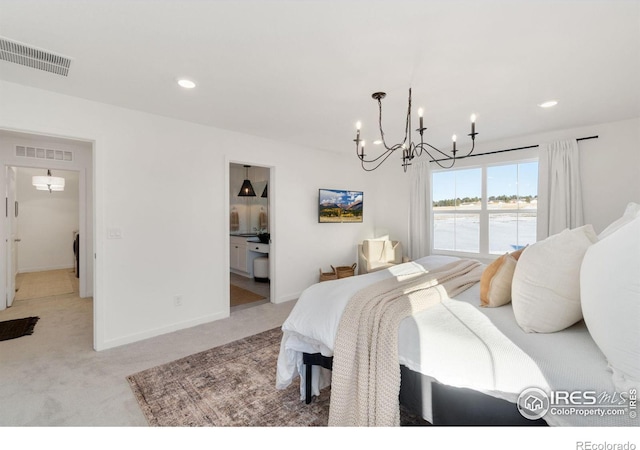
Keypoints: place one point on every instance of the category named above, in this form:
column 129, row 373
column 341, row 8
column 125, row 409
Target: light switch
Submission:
column 114, row 233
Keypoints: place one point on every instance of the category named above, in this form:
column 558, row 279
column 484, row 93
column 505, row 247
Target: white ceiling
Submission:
column 303, row 71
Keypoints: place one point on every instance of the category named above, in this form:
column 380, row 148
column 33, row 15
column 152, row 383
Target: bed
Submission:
column 459, row 353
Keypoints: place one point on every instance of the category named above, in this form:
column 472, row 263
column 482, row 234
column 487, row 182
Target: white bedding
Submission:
column 312, row 324
column 456, row 343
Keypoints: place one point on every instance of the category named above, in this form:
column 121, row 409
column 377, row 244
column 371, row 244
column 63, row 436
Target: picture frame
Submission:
column 340, row 206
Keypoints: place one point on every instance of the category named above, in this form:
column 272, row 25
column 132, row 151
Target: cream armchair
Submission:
column 378, row 254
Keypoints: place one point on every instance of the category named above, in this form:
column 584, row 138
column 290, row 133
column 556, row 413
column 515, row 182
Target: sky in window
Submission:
column 516, row 179
column 512, row 179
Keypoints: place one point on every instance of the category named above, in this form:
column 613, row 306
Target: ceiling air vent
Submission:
column 36, row 58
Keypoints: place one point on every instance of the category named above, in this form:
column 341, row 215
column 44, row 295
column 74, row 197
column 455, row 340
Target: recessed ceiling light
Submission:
column 548, row 104
column 187, row 84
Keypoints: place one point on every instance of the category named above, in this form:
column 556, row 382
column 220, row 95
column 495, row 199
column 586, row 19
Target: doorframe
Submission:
column 11, row 215
column 271, row 205
column 87, row 259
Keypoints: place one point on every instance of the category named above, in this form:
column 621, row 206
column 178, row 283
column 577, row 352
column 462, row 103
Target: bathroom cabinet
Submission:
column 242, row 251
column 238, row 254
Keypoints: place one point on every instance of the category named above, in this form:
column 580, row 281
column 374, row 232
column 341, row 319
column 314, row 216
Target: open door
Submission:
column 12, row 237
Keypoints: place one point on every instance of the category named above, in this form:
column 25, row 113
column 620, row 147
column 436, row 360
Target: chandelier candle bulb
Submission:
column 420, row 113
column 473, row 124
column 453, row 138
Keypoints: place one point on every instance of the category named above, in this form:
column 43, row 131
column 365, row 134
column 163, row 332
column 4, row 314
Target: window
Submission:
column 457, row 196
column 512, row 199
column 485, row 210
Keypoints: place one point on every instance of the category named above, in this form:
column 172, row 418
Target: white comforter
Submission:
column 456, row 343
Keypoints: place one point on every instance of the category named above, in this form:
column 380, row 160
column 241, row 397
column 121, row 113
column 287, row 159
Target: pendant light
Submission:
column 264, row 193
column 247, row 189
column 48, row 183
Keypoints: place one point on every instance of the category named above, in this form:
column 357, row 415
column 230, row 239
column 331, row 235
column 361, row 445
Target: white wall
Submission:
column 610, row 168
column 391, row 194
column 46, row 222
column 163, row 184
column 610, row 171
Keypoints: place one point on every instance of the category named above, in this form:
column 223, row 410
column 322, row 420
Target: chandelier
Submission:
column 409, row 149
column 48, row 183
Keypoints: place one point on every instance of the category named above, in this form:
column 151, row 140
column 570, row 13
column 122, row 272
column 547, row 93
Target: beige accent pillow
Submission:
column 546, row 284
column 495, row 282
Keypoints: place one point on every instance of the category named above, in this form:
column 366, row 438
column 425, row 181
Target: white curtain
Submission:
column 559, row 188
column 419, row 210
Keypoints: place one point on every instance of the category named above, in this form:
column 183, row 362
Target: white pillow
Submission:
column 545, row 291
column 631, row 212
column 610, row 284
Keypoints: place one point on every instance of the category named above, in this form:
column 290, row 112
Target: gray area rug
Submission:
column 230, row 385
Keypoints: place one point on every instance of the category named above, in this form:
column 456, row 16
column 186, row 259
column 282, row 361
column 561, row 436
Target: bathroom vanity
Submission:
column 244, row 249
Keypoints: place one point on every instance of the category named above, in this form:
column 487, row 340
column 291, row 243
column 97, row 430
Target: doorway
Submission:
column 39, row 264
column 46, row 231
column 250, row 235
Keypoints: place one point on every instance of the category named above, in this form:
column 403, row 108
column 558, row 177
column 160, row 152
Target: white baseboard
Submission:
column 286, row 298
column 111, row 343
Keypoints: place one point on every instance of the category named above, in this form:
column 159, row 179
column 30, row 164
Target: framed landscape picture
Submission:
column 339, row 206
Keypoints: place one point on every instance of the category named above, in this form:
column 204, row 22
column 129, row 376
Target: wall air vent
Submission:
column 43, row 153
column 36, row 58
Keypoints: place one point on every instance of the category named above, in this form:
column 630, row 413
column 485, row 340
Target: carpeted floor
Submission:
column 230, row 385
column 241, row 296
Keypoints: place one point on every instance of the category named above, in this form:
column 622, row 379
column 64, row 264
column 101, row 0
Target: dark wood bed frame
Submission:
column 450, row 406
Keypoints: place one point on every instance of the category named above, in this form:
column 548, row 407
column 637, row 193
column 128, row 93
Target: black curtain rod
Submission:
column 507, row 150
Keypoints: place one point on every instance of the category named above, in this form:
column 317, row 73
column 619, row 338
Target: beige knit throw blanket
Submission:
column 365, row 381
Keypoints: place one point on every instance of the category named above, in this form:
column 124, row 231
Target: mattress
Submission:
column 457, row 343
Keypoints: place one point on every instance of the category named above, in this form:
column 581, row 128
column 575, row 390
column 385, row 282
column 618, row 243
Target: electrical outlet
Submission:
column 177, row 300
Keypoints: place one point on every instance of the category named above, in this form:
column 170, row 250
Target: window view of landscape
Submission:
column 512, row 193
column 508, row 221
column 456, row 203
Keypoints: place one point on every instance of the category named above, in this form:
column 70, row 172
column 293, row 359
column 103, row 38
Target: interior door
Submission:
column 12, row 228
